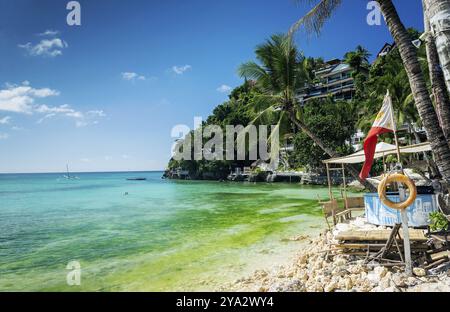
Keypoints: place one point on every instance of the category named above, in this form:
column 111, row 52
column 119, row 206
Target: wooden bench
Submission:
column 352, row 204
column 331, row 209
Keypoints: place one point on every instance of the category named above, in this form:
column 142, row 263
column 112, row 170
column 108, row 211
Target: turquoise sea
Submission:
column 164, row 235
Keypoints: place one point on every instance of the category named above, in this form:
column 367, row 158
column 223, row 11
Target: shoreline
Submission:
column 314, row 268
column 275, row 250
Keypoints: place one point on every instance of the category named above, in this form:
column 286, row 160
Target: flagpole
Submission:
column 402, row 196
column 395, row 133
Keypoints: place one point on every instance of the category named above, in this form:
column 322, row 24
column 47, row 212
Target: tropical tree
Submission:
column 315, row 19
column 357, row 59
column 438, row 86
column 279, row 75
column 419, row 89
column 333, row 122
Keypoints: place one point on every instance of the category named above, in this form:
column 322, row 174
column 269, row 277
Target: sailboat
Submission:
column 68, row 176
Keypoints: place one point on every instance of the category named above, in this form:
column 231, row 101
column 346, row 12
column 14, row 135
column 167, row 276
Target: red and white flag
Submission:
column 384, row 123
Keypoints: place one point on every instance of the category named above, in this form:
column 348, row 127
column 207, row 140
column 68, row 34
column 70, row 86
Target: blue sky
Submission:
column 105, row 95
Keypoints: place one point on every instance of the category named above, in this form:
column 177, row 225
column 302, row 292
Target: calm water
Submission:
column 164, row 235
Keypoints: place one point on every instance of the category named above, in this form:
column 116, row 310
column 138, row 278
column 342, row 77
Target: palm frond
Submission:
column 314, row 20
column 263, row 101
column 251, row 70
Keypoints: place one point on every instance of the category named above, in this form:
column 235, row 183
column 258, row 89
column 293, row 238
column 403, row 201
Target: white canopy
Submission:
column 382, row 149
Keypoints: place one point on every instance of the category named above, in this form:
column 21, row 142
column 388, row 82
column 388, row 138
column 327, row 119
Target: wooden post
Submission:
column 406, row 242
column 344, row 181
column 402, row 195
column 330, row 192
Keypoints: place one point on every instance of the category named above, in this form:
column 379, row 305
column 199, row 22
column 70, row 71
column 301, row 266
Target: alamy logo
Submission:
column 73, row 278
column 74, row 16
column 242, row 143
column 375, row 14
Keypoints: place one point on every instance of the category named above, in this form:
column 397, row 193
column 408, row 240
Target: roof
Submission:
column 340, row 67
column 382, row 149
column 335, row 69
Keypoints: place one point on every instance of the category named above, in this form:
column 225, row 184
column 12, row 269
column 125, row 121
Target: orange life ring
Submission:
column 399, row 178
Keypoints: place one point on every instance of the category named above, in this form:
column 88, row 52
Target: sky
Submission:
column 105, row 95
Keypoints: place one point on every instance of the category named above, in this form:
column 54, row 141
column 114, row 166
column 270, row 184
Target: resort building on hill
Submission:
column 385, row 50
column 334, row 79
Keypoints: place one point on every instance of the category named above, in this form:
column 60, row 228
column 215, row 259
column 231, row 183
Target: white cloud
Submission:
column 5, row 120
column 96, row 113
column 125, row 156
column 4, row 136
column 62, row 109
column 81, row 119
column 46, row 47
column 20, row 98
column 15, row 128
column 85, row 160
column 131, row 76
column 48, row 116
column 49, row 32
column 179, row 70
column 224, row 89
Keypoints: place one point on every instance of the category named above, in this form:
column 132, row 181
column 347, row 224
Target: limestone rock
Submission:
column 419, row 272
column 398, row 280
column 386, row 281
column 331, row 287
column 380, row 272
column 348, row 283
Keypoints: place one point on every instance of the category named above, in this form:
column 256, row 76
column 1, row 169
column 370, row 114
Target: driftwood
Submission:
column 439, row 269
column 440, row 255
column 435, row 263
column 390, row 242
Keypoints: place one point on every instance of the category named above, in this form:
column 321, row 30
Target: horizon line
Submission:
column 80, row 172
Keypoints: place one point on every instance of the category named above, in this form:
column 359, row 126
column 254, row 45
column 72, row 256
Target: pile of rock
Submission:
column 315, row 269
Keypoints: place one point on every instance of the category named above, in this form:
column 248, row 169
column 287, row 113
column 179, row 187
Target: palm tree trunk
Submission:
column 422, row 98
column 352, row 170
column 434, row 170
column 313, row 137
column 439, row 89
column 439, row 18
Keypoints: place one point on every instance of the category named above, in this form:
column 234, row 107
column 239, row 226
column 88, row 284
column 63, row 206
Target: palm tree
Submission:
column 357, row 59
column 281, row 73
column 313, row 22
column 419, row 89
column 439, row 89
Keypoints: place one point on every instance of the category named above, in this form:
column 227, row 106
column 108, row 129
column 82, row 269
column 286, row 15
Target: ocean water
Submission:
column 163, row 236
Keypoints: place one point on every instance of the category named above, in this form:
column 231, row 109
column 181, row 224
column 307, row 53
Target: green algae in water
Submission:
column 165, row 235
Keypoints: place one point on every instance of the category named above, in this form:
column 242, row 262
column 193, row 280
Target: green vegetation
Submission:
column 319, row 128
column 333, row 122
column 438, row 222
column 238, row 110
column 434, row 113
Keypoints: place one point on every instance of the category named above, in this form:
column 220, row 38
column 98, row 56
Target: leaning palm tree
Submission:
column 438, row 84
column 315, row 19
column 280, row 74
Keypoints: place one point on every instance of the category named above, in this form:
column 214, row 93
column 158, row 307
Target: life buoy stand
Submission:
column 397, row 178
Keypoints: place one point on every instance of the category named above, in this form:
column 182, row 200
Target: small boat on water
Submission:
column 68, row 176
column 136, row 179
